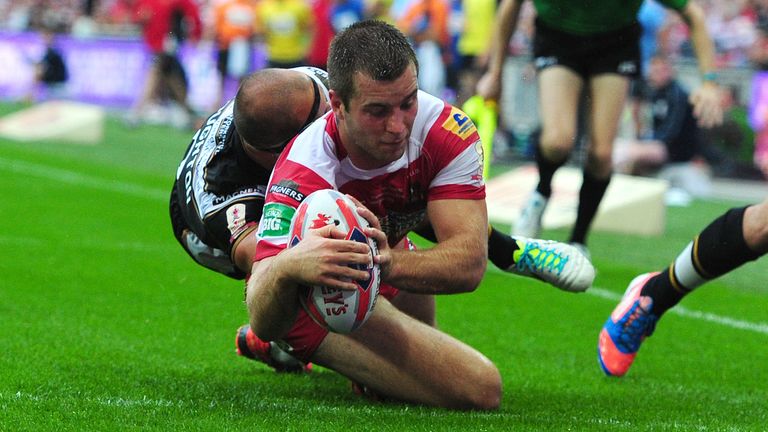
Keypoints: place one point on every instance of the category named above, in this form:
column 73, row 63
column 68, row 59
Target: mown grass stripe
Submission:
column 82, row 180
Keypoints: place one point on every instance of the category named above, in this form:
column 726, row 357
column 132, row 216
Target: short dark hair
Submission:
column 264, row 112
column 375, row 48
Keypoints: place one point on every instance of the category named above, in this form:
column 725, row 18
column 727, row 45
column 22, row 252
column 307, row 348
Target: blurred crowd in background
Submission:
column 450, row 37
column 739, row 27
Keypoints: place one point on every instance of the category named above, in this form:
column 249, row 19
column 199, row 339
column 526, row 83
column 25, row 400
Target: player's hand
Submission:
column 384, row 257
column 707, row 108
column 324, row 257
column 489, row 86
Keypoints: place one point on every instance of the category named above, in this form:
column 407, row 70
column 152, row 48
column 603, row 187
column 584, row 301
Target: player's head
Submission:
column 273, row 105
column 660, row 71
column 373, row 48
column 374, row 92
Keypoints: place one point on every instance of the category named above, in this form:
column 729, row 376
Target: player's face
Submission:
column 659, row 73
column 376, row 126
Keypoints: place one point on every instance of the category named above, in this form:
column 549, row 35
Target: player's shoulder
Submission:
column 439, row 121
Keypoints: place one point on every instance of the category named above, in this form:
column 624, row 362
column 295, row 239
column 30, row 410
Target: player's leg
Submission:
column 607, row 95
column 735, row 238
column 756, row 227
column 559, row 264
column 418, row 306
column 559, row 91
column 399, row 357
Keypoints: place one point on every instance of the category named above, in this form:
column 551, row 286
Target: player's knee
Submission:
column 600, row 162
column 557, row 144
column 485, row 391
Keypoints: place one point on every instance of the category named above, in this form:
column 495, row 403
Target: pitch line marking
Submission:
column 79, row 179
column 690, row 313
column 725, row 321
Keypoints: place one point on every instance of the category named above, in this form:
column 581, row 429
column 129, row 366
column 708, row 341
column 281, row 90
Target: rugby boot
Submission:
column 629, row 324
column 559, row 264
column 249, row 345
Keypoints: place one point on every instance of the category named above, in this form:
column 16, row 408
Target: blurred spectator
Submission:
column 323, row 34
column 652, row 17
column 380, row 10
column 165, row 24
column 475, row 23
column 234, row 29
column 51, row 73
column 286, row 27
column 425, row 22
column 54, row 15
column 732, row 144
column 675, row 147
column 758, row 109
column 345, row 13
column 733, row 31
column 758, row 118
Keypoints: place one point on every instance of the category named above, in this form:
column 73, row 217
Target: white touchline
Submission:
column 79, row 179
column 683, row 311
column 758, row 327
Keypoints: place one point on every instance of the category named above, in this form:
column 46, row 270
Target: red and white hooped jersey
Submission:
column 443, row 160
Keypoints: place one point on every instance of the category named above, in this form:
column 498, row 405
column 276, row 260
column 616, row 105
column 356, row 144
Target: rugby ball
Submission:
column 340, row 311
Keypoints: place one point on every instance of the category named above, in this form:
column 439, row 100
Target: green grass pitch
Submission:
column 106, row 324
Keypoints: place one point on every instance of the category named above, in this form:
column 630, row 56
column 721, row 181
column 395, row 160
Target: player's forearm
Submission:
column 454, row 266
column 503, row 28
column 703, row 46
column 271, row 298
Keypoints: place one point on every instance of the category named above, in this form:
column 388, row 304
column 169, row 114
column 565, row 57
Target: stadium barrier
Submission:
column 108, row 71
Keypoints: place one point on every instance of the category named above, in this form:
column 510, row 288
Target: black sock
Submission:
column 547, row 170
column 664, row 295
column 501, row 247
column 590, row 195
column 721, row 246
column 717, row 250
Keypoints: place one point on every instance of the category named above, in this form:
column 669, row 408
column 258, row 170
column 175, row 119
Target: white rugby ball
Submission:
column 340, row 311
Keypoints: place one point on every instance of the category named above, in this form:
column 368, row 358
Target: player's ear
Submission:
column 337, row 105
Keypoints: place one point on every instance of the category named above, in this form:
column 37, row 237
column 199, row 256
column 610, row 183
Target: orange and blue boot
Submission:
column 279, row 358
column 629, row 324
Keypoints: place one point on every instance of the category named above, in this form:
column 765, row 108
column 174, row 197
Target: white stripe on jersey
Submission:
column 453, row 173
column 323, row 159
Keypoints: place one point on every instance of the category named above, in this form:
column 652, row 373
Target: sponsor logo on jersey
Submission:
column 236, row 218
column 195, row 146
column 259, row 192
column 276, row 220
column 459, row 124
column 287, row 188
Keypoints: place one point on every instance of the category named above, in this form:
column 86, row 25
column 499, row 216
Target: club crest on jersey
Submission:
column 459, row 124
column 236, row 218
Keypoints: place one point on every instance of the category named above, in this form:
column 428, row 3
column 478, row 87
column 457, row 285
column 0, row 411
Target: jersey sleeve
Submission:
column 291, row 182
column 454, row 146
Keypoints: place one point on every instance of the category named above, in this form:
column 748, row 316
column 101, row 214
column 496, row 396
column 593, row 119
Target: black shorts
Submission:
column 615, row 52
